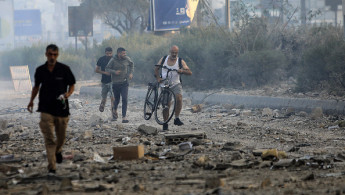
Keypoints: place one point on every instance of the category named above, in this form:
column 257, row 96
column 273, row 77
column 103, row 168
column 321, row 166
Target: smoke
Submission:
column 216, row 4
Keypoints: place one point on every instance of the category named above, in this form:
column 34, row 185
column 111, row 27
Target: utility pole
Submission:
column 343, row 5
column 303, row 13
column 227, row 11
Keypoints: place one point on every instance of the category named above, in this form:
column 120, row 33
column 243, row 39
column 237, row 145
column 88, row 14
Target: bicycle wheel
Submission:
column 149, row 103
column 165, row 107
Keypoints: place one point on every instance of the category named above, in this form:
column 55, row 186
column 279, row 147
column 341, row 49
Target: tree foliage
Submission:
column 125, row 16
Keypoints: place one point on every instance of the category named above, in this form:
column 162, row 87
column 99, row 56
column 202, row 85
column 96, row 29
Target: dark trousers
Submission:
column 121, row 89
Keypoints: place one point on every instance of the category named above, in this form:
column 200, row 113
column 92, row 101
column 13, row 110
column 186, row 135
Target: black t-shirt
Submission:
column 102, row 62
column 52, row 85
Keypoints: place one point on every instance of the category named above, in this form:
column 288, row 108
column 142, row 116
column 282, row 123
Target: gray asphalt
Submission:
column 300, row 104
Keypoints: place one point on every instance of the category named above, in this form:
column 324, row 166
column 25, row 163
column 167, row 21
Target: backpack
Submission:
column 179, row 65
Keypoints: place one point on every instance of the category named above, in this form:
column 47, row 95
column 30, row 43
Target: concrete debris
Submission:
column 75, row 104
column 95, row 120
column 98, row 158
column 317, row 113
column 242, row 164
column 179, row 138
column 3, row 124
column 273, row 154
column 147, row 130
column 246, row 113
column 290, row 111
column 303, row 114
column 222, row 149
column 231, row 146
column 283, row 163
column 214, row 182
column 4, row 137
column 185, row 146
column 341, row 123
column 197, row 108
column 267, row 112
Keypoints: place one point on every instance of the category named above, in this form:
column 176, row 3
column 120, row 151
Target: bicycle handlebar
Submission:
column 169, row 69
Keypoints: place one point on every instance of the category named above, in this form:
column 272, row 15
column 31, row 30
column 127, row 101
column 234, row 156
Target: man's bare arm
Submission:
column 185, row 69
column 98, row 70
column 34, row 93
column 70, row 91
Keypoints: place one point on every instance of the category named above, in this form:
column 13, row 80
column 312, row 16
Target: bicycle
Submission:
column 164, row 102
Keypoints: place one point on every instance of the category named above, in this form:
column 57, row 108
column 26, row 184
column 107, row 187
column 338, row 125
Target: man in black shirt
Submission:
column 54, row 82
column 106, row 81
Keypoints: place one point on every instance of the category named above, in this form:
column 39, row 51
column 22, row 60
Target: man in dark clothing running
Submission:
column 54, row 82
column 121, row 69
column 106, row 81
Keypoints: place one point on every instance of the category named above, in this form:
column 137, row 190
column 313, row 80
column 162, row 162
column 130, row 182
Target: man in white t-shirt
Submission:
column 172, row 62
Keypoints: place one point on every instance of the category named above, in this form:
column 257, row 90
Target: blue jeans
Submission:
column 121, row 89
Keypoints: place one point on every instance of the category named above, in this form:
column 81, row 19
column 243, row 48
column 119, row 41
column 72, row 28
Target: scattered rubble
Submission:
column 221, row 149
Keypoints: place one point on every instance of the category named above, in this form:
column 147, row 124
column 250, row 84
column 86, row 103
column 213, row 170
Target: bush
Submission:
column 142, row 49
column 31, row 56
column 323, row 60
column 250, row 58
column 81, row 67
column 255, row 68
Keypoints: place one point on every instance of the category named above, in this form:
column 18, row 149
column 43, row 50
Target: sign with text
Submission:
column 27, row 22
column 21, row 78
column 6, row 25
column 171, row 14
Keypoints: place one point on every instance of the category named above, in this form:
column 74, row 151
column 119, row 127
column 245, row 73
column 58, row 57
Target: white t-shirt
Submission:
column 173, row 75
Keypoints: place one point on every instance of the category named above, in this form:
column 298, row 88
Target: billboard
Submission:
column 27, row 22
column 80, row 21
column 171, row 14
column 6, row 25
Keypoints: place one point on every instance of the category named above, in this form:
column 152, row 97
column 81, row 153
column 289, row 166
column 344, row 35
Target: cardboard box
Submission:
column 128, row 152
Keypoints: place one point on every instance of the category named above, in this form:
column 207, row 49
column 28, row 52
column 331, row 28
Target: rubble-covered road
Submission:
column 221, row 149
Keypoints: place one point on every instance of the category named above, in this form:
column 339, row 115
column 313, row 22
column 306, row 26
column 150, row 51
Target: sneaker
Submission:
column 165, row 126
column 125, row 120
column 178, row 122
column 114, row 113
column 58, row 157
column 51, row 171
column 101, row 106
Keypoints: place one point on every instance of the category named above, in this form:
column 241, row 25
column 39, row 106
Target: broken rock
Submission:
column 4, row 137
column 147, row 130
column 317, row 113
column 3, row 124
column 214, row 182
column 196, row 108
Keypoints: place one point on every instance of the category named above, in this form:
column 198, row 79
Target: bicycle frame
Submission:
column 161, row 100
column 155, row 88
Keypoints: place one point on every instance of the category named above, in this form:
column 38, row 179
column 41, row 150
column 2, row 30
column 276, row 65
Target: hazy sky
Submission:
column 218, row 3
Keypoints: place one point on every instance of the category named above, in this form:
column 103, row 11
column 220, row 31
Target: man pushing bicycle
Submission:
column 172, row 61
